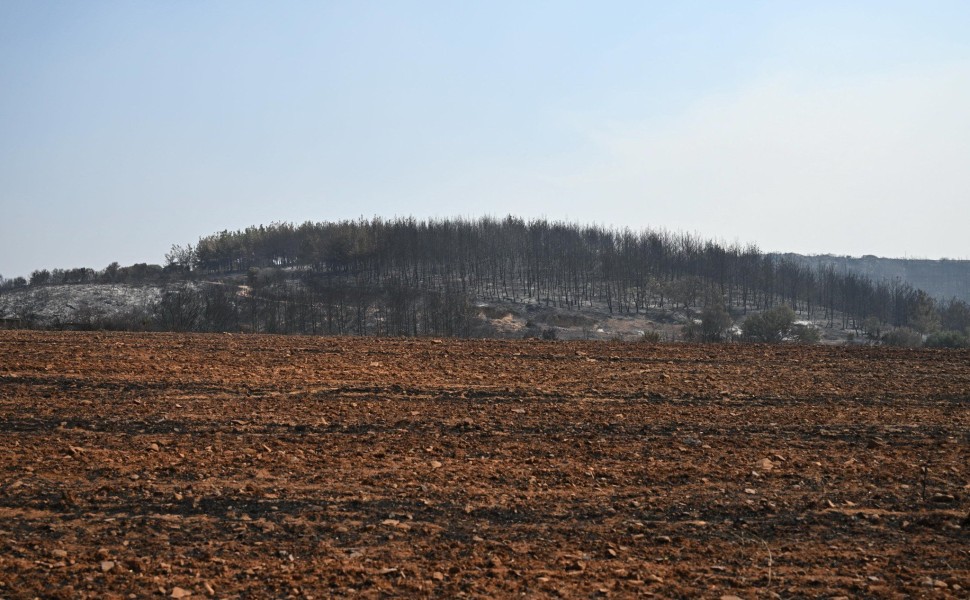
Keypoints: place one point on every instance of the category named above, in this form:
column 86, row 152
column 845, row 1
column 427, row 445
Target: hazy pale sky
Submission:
column 816, row 127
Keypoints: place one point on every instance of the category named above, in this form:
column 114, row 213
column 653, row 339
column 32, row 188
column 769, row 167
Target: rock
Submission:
column 750, row 491
column 576, row 566
column 663, row 539
column 438, row 576
column 730, row 597
column 766, row 465
column 435, row 464
column 136, row 564
column 59, row 553
column 178, row 592
column 107, row 565
column 943, row 498
column 935, row 583
column 153, row 447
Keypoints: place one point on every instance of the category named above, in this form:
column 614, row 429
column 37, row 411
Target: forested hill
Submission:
column 558, row 264
column 439, row 277
column 942, row 279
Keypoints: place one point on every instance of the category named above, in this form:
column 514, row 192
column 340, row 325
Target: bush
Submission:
column 715, row 321
column 692, row 332
column 771, row 326
column 550, row 333
column 872, row 327
column 947, row 339
column 805, row 334
column 903, row 337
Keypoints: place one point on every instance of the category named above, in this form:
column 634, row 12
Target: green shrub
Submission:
column 771, row 326
column 805, row 334
column 903, row 337
column 947, row 339
column 715, row 322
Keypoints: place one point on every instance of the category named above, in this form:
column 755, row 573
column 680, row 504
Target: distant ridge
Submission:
column 942, row 279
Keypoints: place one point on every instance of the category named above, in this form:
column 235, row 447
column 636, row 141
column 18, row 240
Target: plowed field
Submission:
column 139, row 465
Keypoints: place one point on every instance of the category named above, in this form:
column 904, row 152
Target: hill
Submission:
column 481, row 278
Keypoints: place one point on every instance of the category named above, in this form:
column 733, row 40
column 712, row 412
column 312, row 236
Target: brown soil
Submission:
column 134, row 465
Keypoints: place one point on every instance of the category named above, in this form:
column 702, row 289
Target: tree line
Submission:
column 139, row 273
column 571, row 266
column 421, row 277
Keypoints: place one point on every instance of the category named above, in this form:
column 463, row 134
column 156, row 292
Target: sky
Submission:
column 814, row 127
